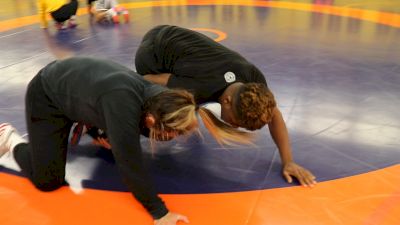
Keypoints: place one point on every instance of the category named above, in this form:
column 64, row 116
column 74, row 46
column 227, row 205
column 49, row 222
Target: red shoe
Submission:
column 126, row 16
column 115, row 18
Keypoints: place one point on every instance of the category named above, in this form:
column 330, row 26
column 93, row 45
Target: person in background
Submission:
column 106, row 11
column 60, row 10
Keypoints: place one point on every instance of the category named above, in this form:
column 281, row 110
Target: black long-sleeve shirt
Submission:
column 197, row 63
column 109, row 96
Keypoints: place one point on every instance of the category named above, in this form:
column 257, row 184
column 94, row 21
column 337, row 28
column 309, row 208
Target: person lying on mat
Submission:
column 120, row 102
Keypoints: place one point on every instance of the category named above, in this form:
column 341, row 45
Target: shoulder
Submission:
column 84, row 61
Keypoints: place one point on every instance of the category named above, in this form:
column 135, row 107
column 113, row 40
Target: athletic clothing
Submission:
column 197, row 63
column 91, row 91
column 65, row 12
column 102, row 5
column 60, row 10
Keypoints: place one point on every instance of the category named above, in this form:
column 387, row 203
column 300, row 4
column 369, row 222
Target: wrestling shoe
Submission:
column 115, row 19
column 126, row 16
column 72, row 22
column 60, row 26
column 9, row 138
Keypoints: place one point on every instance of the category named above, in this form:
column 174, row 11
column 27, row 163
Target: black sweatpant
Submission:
column 65, row 12
column 146, row 61
column 43, row 160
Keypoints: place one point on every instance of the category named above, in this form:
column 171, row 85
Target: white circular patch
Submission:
column 229, row 77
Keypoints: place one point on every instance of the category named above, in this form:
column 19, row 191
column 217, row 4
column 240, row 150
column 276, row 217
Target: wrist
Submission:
column 287, row 161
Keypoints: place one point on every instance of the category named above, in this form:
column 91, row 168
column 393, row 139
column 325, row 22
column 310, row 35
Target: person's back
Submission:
column 77, row 85
column 175, row 47
column 196, row 62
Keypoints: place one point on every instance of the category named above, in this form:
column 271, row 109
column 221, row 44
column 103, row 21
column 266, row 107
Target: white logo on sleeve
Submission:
column 229, row 77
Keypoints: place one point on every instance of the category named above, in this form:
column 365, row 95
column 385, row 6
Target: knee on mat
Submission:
column 47, row 186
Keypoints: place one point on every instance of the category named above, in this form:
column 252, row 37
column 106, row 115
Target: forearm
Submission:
column 138, row 180
column 122, row 124
column 280, row 135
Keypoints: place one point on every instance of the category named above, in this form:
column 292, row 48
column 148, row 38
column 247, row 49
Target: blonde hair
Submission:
column 175, row 111
column 223, row 132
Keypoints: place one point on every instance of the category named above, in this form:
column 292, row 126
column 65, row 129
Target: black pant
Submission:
column 146, row 60
column 65, row 12
column 43, row 160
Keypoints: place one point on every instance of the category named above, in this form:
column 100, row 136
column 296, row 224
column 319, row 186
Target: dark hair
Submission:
column 254, row 104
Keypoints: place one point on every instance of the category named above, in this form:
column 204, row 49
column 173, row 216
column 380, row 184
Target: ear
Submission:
column 149, row 120
column 227, row 100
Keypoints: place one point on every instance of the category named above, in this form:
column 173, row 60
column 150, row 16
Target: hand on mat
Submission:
column 171, row 219
column 304, row 176
column 102, row 142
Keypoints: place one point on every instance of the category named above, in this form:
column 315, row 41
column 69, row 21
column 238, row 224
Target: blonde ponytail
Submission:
column 175, row 111
column 222, row 132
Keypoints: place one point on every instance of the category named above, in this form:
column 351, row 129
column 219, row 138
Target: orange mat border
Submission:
column 370, row 198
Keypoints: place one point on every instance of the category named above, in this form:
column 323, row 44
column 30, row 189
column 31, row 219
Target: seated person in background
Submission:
column 106, row 11
column 60, row 10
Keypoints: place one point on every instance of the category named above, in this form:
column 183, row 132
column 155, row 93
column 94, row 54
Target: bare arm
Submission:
column 280, row 135
column 161, row 79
